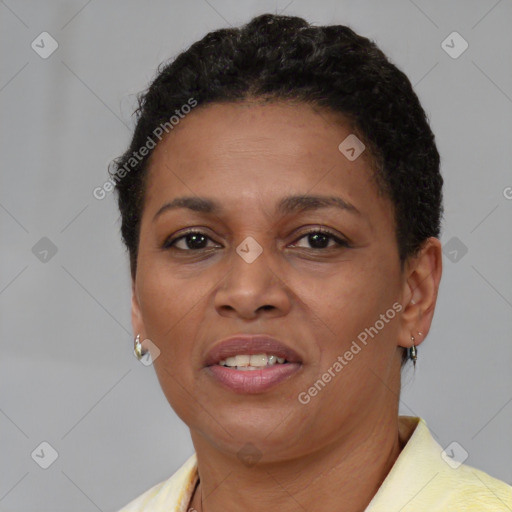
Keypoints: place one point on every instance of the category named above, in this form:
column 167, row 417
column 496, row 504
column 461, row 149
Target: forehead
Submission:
column 240, row 151
column 256, row 129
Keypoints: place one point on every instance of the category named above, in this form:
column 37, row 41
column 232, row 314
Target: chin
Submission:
column 269, row 429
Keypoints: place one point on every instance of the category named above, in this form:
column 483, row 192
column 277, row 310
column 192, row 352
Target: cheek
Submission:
column 161, row 304
column 168, row 306
column 351, row 305
column 352, row 297
column 171, row 311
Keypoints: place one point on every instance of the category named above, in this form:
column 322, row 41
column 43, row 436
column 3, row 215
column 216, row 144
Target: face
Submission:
column 318, row 276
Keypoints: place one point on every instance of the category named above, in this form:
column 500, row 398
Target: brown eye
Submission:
column 319, row 239
column 191, row 241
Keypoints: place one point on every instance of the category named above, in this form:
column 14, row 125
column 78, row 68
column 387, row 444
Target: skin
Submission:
column 339, row 447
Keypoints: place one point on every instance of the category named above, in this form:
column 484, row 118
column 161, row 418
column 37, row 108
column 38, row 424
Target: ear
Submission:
column 137, row 322
column 419, row 295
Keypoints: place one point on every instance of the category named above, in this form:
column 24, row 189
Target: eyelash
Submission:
column 168, row 244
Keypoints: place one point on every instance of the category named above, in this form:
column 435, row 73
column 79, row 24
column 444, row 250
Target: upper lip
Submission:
column 250, row 344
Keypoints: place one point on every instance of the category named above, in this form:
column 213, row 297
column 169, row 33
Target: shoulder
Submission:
column 426, row 478
column 457, row 485
column 169, row 495
column 470, row 489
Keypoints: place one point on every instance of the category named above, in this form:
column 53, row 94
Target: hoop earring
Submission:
column 413, row 352
column 137, row 349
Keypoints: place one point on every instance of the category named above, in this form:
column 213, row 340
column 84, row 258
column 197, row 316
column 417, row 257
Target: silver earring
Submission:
column 413, row 352
column 137, row 349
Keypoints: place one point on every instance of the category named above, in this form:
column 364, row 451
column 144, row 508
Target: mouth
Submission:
column 251, row 364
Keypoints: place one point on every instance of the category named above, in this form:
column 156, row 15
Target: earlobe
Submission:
column 421, row 286
column 137, row 322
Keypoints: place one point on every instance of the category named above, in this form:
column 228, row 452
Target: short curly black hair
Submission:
column 284, row 58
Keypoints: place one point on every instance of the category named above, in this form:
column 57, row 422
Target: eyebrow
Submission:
column 286, row 206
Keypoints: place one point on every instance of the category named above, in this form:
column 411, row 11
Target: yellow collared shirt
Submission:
column 421, row 480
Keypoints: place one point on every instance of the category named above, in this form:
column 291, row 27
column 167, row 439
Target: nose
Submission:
column 252, row 289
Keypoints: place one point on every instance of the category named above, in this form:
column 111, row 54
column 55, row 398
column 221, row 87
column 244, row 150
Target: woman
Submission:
column 281, row 204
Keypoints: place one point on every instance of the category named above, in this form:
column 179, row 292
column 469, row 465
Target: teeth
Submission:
column 251, row 362
column 258, row 360
column 242, row 360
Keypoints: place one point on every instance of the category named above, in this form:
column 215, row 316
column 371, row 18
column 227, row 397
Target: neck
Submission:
column 348, row 471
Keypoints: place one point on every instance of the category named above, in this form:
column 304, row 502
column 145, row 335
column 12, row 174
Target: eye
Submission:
column 319, row 239
column 190, row 241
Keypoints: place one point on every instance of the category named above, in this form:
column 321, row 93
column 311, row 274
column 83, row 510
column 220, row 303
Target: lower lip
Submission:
column 253, row 381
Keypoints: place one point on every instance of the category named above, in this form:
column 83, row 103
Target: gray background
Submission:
column 67, row 372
